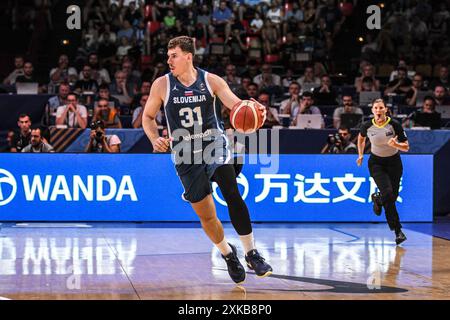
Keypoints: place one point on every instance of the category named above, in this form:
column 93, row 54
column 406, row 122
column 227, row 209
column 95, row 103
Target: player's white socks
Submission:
column 248, row 242
column 224, row 247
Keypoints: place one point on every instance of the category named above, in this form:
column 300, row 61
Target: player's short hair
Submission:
column 185, row 43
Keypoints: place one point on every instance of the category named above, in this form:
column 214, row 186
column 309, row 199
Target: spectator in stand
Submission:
column 204, row 19
column 270, row 37
column 30, row 77
column 9, row 140
column 170, row 21
column 18, row 70
column 230, row 77
column 289, row 48
column 401, row 64
column 440, row 96
column 443, row 79
column 417, row 85
column 325, row 95
column 348, row 107
column 107, row 47
column 23, row 137
column 236, row 45
column 134, row 13
column 256, row 24
column 292, row 17
column 37, row 143
column 288, row 79
column 137, row 114
column 252, row 91
column 331, row 13
column 133, row 75
column 144, row 91
column 308, row 77
column 272, row 113
column 63, row 72
column 401, row 85
column 122, row 88
column 99, row 74
column 367, row 71
column 87, row 84
column 127, row 31
column 221, row 20
column 73, row 115
column 291, row 104
column 429, row 106
column 104, row 93
column 368, row 85
column 267, row 78
column 188, row 25
column 275, row 15
column 108, row 115
column 49, row 118
column 159, row 70
column 28, row 74
column 307, row 107
column 122, row 50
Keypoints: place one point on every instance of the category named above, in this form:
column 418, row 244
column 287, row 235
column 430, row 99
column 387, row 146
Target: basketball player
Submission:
column 189, row 96
column 387, row 137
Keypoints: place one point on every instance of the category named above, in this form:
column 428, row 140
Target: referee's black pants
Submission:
column 387, row 172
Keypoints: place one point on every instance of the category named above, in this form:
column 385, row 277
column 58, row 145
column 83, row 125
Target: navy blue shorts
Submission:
column 197, row 179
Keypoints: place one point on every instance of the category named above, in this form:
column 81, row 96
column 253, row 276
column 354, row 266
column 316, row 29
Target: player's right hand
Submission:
column 359, row 161
column 161, row 144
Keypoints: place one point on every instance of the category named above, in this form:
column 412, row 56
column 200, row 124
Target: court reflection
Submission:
column 66, row 255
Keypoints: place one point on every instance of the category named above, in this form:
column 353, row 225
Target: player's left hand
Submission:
column 393, row 142
column 261, row 108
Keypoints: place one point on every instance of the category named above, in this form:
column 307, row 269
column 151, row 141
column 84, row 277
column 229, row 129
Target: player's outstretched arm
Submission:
column 152, row 106
column 221, row 89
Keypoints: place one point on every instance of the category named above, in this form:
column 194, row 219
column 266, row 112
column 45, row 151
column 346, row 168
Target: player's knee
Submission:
column 208, row 218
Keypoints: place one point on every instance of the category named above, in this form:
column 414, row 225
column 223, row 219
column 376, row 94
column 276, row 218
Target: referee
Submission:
column 387, row 137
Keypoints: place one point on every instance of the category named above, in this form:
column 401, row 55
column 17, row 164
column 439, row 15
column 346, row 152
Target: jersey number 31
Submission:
column 188, row 115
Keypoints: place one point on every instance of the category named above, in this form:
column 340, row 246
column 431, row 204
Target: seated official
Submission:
column 37, row 144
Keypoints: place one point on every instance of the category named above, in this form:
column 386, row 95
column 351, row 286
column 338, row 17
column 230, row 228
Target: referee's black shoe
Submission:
column 377, row 203
column 399, row 237
column 258, row 264
column 235, row 268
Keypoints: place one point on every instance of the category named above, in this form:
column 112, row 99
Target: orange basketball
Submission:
column 246, row 117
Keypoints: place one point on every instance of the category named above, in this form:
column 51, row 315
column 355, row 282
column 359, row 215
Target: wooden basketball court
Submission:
column 177, row 261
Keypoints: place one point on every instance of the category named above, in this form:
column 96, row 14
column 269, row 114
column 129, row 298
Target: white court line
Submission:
column 51, row 225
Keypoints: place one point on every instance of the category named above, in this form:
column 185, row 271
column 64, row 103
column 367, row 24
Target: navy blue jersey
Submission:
column 193, row 114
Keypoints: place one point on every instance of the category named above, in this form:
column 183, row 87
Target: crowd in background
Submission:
column 287, row 54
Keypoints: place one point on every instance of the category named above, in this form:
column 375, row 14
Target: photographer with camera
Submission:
column 100, row 142
column 340, row 142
